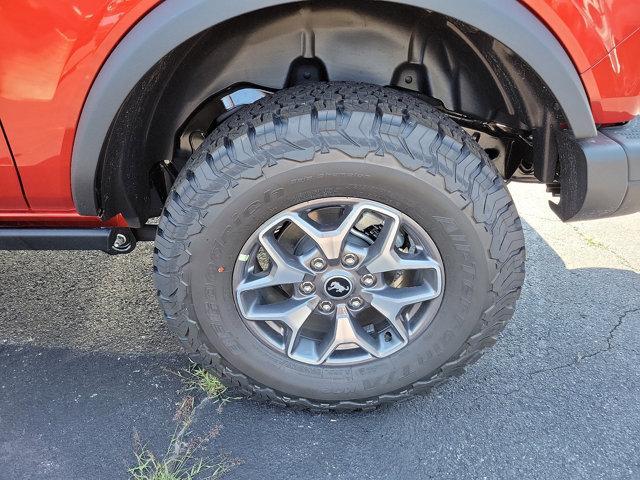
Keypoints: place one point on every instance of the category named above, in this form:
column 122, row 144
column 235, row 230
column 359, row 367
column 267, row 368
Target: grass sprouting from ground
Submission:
column 181, row 461
column 151, row 468
column 197, row 378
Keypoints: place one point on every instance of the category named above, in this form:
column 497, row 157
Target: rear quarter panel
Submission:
column 51, row 53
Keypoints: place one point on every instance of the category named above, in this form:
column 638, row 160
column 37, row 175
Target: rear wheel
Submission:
column 338, row 245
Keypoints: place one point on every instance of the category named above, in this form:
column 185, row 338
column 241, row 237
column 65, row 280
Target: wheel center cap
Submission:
column 338, row 287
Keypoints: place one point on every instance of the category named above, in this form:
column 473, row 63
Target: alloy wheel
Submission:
column 338, row 281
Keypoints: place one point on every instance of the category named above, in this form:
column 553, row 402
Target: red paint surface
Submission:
column 53, row 50
column 57, row 219
column 602, row 39
column 51, row 53
column 11, row 198
column 614, row 83
column 588, row 29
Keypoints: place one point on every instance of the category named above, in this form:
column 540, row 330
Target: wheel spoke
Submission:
column 330, row 242
column 347, row 331
column 391, row 260
column 285, row 268
column 383, row 257
column 390, row 301
column 415, row 263
column 380, row 257
column 292, row 312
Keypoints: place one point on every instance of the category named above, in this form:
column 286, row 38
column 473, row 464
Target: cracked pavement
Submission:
column 86, row 361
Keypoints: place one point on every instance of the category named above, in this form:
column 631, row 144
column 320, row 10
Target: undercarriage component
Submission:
column 209, row 115
column 507, row 148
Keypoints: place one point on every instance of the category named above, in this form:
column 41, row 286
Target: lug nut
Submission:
column 350, row 260
column 368, row 280
column 326, row 306
column 318, row 264
column 307, row 288
column 356, row 303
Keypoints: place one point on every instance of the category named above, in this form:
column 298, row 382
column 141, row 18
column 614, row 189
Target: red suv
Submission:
column 335, row 229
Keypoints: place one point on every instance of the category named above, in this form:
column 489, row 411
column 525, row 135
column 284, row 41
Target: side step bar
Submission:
column 114, row 241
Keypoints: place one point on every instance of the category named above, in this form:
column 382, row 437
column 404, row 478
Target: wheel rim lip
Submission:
column 271, row 340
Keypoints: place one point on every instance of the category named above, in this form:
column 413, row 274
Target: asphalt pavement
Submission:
column 87, row 366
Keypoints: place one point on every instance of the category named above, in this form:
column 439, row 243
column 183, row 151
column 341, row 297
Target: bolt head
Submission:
column 356, row 303
column 121, row 243
column 368, row 280
column 120, row 240
column 318, row 264
column 326, row 306
column 307, row 288
column 350, row 260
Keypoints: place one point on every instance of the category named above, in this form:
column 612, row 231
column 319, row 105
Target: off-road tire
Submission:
column 260, row 155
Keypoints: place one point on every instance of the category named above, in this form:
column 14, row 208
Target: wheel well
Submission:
column 466, row 70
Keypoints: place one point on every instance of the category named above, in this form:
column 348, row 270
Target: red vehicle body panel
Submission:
column 11, row 197
column 53, row 50
column 588, row 29
column 51, row 53
column 614, row 83
column 602, row 38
